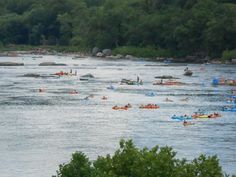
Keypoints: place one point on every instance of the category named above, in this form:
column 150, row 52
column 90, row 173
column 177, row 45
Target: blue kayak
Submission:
column 111, row 87
column 181, row 118
column 151, row 94
column 229, row 109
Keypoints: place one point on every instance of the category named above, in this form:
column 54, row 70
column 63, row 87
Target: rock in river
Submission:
column 11, row 64
column 51, row 64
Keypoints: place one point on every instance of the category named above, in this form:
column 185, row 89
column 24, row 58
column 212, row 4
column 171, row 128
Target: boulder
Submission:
column 119, row 56
column 11, row 64
column 130, row 57
column 107, row 52
column 111, row 57
column 88, row 75
column 95, row 50
column 31, row 75
column 51, row 64
column 233, row 61
column 100, row 54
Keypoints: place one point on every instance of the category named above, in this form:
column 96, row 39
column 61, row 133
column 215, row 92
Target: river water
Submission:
column 39, row 131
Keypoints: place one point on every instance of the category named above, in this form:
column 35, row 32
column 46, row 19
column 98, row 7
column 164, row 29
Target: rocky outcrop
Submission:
column 100, row 54
column 130, row 57
column 51, row 64
column 88, row 75
column 11, row 64
column 115, row 57
column 119, row 56
column 106, row 52
column 95, row 50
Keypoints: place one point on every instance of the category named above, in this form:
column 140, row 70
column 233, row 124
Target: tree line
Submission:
column 184, row 27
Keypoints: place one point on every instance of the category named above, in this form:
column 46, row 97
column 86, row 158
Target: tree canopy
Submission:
column 129, row 161
column 186, row 27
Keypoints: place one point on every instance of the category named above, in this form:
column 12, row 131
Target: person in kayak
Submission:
column 42, row 90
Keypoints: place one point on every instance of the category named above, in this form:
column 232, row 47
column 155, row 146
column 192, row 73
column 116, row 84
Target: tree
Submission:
column 129, row 161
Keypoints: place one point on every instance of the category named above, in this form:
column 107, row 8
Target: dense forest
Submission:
column 183, row 27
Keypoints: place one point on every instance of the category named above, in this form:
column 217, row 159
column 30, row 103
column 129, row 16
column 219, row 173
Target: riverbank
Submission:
column 129, row 53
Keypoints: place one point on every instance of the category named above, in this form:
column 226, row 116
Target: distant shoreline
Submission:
column 74, row 52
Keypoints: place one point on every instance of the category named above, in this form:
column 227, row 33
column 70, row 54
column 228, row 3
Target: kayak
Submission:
column 230, row 109
column 214, row 116
column 131, row 82
column 181, row 118
column 188, row 73
column 149, row 107
column 119, row 108
column 185, row 123
column 200, row 116
column 111, row 87
column 64, row 74
column 151, row 94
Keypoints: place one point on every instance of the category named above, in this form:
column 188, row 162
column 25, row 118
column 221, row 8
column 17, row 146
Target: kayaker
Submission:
column 104, row 98
column 186, row 69
column 185, row 123
column 185, row 99
column 138, row 79
column 129, row 105
column 168, row 100
column 41, row 90
column 74, row 92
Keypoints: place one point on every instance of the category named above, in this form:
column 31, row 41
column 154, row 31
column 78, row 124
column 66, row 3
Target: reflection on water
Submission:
column 41, row 130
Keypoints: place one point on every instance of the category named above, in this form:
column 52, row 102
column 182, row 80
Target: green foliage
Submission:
column 229, row 54
column 129, row 161
column 181, row 27
column 146, row 52
column 78, row 167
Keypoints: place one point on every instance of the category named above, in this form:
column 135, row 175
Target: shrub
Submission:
column 229, row 54
column 129, row 161
column 146, row 52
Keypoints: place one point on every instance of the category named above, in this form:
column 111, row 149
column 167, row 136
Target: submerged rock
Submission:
column 11, row 64
column 51, row 64
column 166, row 77
column 34, row 75
column 31, row 75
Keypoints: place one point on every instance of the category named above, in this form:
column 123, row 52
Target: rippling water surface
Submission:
column 39, row 131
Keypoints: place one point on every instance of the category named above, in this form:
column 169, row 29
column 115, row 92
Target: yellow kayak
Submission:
column 203, row 116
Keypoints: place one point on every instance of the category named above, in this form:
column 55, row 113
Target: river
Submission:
column 40, row 130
